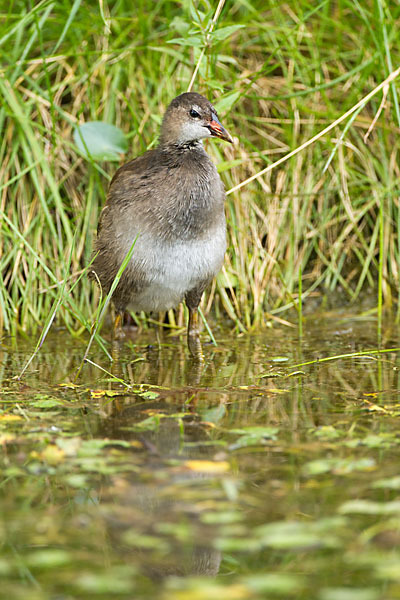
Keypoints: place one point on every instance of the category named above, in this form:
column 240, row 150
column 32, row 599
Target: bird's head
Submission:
column 189, row 118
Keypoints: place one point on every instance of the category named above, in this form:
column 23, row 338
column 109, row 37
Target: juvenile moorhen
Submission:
column 172, row 200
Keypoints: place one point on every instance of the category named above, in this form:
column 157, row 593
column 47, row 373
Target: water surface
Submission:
column 251, row 476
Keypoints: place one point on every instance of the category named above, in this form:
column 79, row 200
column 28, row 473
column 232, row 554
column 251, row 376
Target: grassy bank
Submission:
column 330, row 215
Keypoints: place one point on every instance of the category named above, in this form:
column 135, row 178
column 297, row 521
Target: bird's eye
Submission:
column 193, row 113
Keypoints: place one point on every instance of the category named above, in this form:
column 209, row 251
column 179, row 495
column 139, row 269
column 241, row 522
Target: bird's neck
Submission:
column 180, row 147
column 197, row 197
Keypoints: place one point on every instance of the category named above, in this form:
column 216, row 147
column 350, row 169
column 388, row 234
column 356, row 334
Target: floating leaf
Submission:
column 149, row 395
column 49, row 558
column 77, row 480
column 213, row 415
column 244, row 544
column 201, row 588
column 52, row 455
column 94, row 447
column 377, row 441
column 347, row 593
column 389, row 570
column 149, row 424
column 327, row 432
column 106, row 393
column 69, row 446
column 117, row 580
column 100, row 141
column 391, row 483
column 6, row 438
column 338, row 466
column 207, row 466
column 367, row 507
column 150, row 542
column 254, row 436
column 71, row 386
column 5, row 566
column 10, row 418
column 273, row 583
column 227, row 516
column 47, row 402
column 287, row 535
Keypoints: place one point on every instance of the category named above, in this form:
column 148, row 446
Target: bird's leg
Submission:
column 118, row 333
column 193, row 324
column 193, row 334
column 192, row 300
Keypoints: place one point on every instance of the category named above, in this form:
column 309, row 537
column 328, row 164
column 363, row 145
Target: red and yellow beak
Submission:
column 218, row 130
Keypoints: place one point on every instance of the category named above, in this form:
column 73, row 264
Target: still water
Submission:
column 251, row 476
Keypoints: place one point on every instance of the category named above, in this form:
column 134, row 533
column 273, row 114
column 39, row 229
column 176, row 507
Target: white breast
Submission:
column 175, row 268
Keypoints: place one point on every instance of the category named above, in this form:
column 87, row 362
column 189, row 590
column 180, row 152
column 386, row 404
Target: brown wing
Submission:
column 126, row 182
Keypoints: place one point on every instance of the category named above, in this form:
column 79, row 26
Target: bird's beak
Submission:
column 218, row 130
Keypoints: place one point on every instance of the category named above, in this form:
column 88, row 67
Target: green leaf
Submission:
column 226, row 102
column 225, row 32
column 226, row 165
column 179, row 25
column 227, row 279
column 72, row 13
column 100, row 141
column 190, row 41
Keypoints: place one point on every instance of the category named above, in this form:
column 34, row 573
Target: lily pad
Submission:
column 100, row 141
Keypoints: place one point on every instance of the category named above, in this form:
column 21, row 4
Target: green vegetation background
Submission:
column 278, row 72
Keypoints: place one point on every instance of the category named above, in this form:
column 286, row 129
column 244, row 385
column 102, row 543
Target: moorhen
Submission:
column 171, row 200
